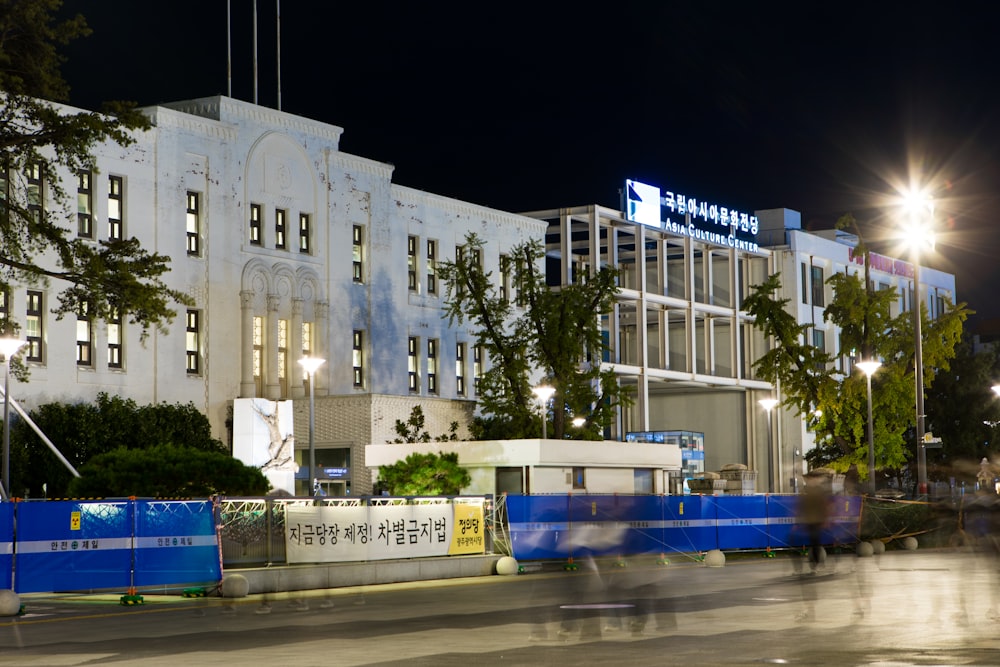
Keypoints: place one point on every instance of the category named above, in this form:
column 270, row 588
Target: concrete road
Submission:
column 900, row 608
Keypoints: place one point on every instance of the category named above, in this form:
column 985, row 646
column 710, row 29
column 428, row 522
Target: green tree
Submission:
column 425, row 475
column 811, row 384
column 82, row 431
column 108, row 278
column 167, row 471
column 964, row 412
column 553, row 330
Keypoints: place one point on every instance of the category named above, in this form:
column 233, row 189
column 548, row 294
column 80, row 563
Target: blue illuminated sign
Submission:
column 684, row 215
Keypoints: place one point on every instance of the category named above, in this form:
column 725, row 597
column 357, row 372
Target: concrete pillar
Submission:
column 296, row 388
column 272, row 383
column 247, row 387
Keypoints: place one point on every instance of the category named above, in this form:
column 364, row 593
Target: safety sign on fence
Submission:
column 107, row 544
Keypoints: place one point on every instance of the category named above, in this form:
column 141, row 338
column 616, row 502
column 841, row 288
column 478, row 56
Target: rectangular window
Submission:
column 505, row 278
column 307, row 339
column 305, row 231
column 258, row 354
column 642, row 479
column 413, row 363
column 819, row 342
column 4, row 305
column 33, row 176
column 411, row 262
column 804, row 276
column 431, row 266
column 255, row 224
column 193, row 223
column 817, row 286
column 432, row 365
column 579, row 478
column 84, row 338
column 33, row 326
column 115, row 208
column 459, row 258
column 358, row 358
column 460, row 369
column 84, row 205
column 193, row 342
column 115, row 340
column 357, row 255
column 279, row 228
column 282, row 350
column 477, row 366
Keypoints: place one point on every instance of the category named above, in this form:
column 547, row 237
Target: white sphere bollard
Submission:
column 910, row 543
column 715, row 558
column 235, row 586
column 878, row 547
column 864, row 549
column 507, row 565
column 10, row 603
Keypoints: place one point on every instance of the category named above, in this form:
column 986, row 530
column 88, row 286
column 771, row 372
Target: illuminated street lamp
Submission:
column 918, row 232
column 768, row 405
column 869, row 368
column 544, row 393
column 8, row 347
column 310, row 365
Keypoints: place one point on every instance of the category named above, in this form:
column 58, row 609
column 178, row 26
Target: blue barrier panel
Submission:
column 73, row 546
column 614, row 525
column 783, row 530
column 845, row 520
column 742, row 522
column 689, row 523
column 175, row 543
column 536, row 524
column 6, row 545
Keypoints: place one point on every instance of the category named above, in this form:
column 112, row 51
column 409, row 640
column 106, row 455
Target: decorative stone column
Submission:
column 296, row 389
column 322, row 324
column 247, row 386
column 272, row 383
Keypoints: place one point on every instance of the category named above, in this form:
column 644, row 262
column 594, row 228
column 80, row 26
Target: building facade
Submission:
column 289, row 248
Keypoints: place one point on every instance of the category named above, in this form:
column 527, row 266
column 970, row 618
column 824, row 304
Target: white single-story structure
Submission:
column 551, row 466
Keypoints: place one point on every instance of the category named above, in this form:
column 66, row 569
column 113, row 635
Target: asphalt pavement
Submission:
column 899, row 608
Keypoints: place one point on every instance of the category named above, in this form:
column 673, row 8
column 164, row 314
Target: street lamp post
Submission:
column 8, row 347
column 310, row 365
column 768, row 405
column 869, row 368
column 544, row 393
column 919, row 232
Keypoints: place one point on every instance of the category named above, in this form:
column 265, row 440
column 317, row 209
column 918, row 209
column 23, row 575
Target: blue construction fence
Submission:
column 547, row 527
column 70, row 545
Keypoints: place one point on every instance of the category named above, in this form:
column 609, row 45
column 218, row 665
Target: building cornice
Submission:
column 354, row 163
column 411, row 196
column 231, row 111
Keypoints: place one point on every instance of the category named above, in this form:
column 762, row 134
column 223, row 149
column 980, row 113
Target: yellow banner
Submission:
column 468, row 535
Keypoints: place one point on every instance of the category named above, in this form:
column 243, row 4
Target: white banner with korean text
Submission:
column 336, row 533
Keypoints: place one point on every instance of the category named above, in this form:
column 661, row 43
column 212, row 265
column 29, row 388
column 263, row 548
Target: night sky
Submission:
column 824, row 109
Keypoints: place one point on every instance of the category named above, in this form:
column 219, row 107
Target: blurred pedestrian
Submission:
column 814, row 514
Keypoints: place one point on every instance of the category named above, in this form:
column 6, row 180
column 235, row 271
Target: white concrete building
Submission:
column 550, row 466
column 678, row 335
column 806, row 260
column 289, row 247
